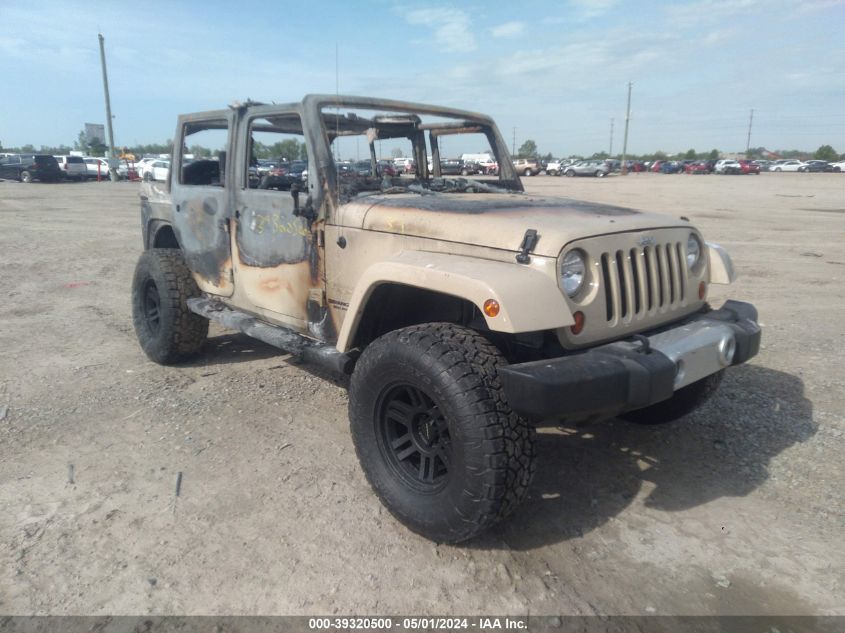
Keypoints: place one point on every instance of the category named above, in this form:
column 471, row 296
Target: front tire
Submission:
column 686, row 400
column 167, row 330
column 435, row 437
column 26, row 176
column 570, row 173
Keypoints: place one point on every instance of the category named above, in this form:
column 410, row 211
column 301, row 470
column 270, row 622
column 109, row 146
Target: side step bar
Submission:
column 310, row 351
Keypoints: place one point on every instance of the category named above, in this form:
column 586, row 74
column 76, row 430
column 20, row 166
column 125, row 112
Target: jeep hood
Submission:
column 497, row 220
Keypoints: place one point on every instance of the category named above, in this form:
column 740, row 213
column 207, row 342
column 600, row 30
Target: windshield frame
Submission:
column 323, row 128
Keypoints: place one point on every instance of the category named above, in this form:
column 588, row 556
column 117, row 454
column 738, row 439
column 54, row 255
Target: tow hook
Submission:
column 644, row 343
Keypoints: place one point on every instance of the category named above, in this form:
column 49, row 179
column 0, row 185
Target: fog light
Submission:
column 702, row 290
column 491, row 307
column 727, row 349
column 580, row 319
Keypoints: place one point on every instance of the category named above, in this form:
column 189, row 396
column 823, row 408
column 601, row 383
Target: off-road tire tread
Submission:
column 685, row 400
column 506, row 440
column 185, row 336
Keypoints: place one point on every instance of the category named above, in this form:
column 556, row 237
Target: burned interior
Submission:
column 374, row 136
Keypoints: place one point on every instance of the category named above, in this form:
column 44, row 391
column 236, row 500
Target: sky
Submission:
column 554, row 72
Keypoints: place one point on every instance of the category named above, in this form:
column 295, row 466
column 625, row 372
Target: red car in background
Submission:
column 749, row 167
column 656, row 165
column 699, row 167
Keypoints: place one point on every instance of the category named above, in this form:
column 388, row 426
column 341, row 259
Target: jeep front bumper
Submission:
column 636, row 372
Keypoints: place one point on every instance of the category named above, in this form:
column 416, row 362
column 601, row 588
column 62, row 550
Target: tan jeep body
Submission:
column 466, row 311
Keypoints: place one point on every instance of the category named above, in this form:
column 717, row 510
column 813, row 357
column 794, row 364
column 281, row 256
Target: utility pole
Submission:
column 624, row 170
column 748, row 141
column 610, row 152
column 513, row 143
column 112, row 170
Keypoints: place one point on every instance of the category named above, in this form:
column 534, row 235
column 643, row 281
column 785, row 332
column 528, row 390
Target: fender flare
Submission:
column 721, row 265
column 529, row 299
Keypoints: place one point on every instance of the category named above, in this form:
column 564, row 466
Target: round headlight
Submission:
column 572, row 272
column 693, row 251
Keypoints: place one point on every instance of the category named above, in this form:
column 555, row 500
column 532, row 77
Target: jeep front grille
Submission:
column 643, row 280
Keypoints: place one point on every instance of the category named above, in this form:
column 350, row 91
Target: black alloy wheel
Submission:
column 414, row 437
column 152, row 307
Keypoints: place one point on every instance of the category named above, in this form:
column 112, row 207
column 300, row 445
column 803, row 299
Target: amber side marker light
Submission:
column 579, row 322
column 491, row 307
column 702, row 290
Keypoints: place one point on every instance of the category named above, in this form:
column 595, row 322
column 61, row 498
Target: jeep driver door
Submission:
column 201, row 197
column 273, row 244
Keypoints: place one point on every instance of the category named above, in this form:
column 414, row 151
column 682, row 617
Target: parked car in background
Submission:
column 96, row 167
column 553, row 168
column 671, row 167
column 72, row 167
column 817, row 166
column 788, row 165
column 698, row 167
column 363, row 168
column 277, row 176
column 157, row 170
column 451, row 167
column 838, row 167
column 404, row 165
column 749, row 167
column 264, row 165
column 527, row 166
column 764, row 165
column 29, row 167
column 727, row 166
column 596, row 168
column 92, row 162
column 387, row 168
column 470, row 168
column 142, row 165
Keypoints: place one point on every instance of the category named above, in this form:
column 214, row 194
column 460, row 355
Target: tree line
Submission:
column 291, row 149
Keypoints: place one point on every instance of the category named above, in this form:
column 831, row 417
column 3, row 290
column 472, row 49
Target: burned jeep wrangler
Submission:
column 466, row 311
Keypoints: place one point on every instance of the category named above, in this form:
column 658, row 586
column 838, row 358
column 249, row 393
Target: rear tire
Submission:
column 435, row 437
column 167, row 330
column 26, row 176
column 685, row 400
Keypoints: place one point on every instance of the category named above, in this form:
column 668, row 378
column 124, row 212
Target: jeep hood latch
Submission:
column 529, row 241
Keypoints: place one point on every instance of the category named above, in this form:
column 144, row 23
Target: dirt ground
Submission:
column 737, row 509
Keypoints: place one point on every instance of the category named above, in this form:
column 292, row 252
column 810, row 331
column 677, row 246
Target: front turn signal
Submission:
column 491, row 308
column 578, row 326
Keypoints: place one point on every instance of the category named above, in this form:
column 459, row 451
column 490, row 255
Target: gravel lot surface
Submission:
column 737, row 509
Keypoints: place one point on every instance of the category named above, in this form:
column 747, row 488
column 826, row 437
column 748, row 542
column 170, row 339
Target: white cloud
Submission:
column 452, row 33
column 508, row 29
column 708, row 11
column 587, row 9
